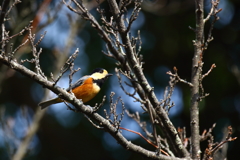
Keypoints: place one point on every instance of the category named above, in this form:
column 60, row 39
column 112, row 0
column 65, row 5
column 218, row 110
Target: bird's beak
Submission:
column 109, row 74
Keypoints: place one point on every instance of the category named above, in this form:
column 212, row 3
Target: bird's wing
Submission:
column 78, row 83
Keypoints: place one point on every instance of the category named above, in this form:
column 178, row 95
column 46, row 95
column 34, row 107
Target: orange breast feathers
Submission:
column 86, row 91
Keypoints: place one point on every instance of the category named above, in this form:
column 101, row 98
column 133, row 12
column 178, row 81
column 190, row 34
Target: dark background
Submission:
column 167, row 42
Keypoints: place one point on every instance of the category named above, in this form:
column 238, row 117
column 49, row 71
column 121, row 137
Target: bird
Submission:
column 85, row 88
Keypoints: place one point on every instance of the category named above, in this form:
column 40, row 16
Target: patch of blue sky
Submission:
column 58, row 30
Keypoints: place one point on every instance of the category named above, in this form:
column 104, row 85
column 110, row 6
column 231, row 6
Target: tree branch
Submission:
column 196, row 73
column 143, row 84
column 84, row 109
column 4, row 5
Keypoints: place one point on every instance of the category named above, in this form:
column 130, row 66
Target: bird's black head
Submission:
column 99, row 75
column 99, row 70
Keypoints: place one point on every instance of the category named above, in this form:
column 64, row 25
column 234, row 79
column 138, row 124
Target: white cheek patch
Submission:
column 99, row 75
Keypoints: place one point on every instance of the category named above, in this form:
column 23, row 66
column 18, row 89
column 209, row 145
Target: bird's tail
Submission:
column 49, row 102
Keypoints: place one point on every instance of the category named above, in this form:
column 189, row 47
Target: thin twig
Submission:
column 180, row 79
column 66, row 66
column 150, row 142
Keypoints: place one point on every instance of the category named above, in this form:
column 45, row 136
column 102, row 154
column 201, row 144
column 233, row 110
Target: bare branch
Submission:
column 66, row 66
column 84, row 109
column 113, row 111
column 136, row 117
column 177, row 76
column 133, row 95
column 4, row 7
column 182, row 133
column 97, row 107
column 213, row 12
column 196, row 73
column 73, row 71
column 144, row 89
column 205, row 135
column 95, row 125
column 209, row 71
column 125, row 49
column 214, row 147
column 134, row 15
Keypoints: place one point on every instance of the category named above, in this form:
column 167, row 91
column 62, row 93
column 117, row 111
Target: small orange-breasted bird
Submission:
column 85, row 88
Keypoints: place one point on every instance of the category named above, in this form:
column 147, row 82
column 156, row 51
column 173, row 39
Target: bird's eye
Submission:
column 98, row 70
